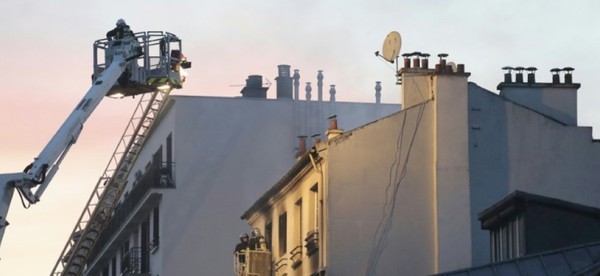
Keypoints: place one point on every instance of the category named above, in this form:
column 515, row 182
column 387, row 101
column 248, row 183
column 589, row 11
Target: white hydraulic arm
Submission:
column 35, row 179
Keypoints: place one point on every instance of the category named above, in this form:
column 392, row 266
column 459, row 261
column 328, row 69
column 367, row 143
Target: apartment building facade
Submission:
column 402, row 195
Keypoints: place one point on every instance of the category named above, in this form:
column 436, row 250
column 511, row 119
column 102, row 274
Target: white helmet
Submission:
column 121, row 22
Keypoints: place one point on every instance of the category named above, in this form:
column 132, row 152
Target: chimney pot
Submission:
column 519, row 75
column 425, row 61
column 333, row 122
column 416, row 59
column 460, row 68
column 443, row 67
column 301, row 145
column 333, row 130
column 555, row 75
column 406, row 57
column 507, row 74
column 568, row 74
column 531, row 74
column 317, row 138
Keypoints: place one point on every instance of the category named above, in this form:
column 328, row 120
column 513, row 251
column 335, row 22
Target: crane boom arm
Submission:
column 40, row 172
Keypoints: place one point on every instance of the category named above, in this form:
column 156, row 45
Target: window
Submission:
column 269, row 234
column 508, row 240
column 314, row 207
column 282, row 234
column 114, row 266
column 169, row 151
column 145, row 244
column 124, row 254
column 155, row 229
column 298, row 223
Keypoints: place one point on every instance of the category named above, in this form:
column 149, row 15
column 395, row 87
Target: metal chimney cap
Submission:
column 416, row 53
column 569, row 69
column 555, row 70
column 442, row 55
column 425, row 55
column 407, row 55
column 519, row 68
column 509, row 68
column 532, row 69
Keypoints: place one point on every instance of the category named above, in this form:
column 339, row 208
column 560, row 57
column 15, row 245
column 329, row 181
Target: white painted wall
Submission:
column 364, row 167
column 512, row 147
column 227, row 152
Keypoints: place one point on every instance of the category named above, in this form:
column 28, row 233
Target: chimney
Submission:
column 284, row 82
column 254, row 88
column 377, row 92
column 555, row 75
column 425, row 61
column 332, row 93
column 531, row 74
column 296, row 84
column 320, row 86
column 301, row 146
column 441, row 67
column 406, row 57
column 333, row 130
column 308, row 89
column 519, row 75
column 316, row 138
column 416, row 59
column 555, row 100
column 568, row 74
column 507, row 74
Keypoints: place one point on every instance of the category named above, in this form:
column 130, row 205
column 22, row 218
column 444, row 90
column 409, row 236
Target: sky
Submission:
column 46, row 64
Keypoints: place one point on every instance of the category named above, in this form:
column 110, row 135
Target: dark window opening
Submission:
column 282, row 234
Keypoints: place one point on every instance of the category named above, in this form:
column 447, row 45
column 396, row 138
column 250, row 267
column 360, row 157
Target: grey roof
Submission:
column 578, row 260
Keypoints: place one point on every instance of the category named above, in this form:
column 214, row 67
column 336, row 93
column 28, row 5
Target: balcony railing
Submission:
column 312, row 242
column 281, row 267
column 157, row 176
column 131, row 263
column 296, row 256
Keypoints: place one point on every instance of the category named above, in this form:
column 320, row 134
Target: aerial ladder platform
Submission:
column 148, row 64
column 151, row 75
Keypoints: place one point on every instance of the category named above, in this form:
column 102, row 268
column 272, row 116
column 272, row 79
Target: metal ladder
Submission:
column 109, row 187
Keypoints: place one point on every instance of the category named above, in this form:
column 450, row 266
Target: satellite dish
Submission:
column 391, row 46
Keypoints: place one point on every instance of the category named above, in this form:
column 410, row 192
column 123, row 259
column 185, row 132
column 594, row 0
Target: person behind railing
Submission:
column 120, row 31
column 257, row 241
column 240, row 251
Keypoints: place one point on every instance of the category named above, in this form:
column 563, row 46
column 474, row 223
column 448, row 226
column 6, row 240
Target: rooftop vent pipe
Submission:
column 378, row 92
column 507, row 74
column 568, row 74
column 531, row 74
column 519, row 75
column 555, row 75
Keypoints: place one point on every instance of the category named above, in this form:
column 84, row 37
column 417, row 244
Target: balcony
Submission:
column 296, row 256
column 131, row 263
column 281, row 267
column 131, row 211
column 312, row 242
